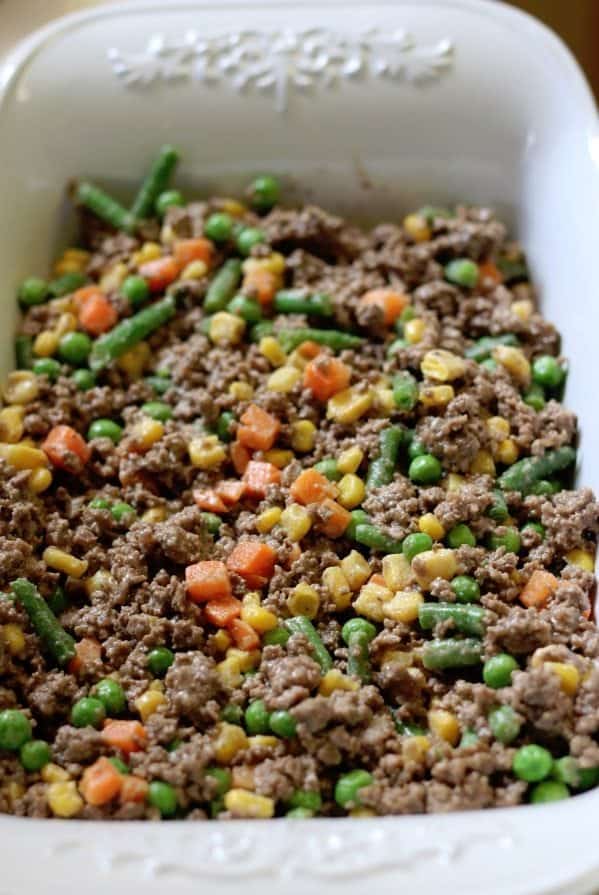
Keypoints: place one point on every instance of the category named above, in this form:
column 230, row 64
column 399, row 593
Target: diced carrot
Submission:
column 230, row 491
column 207, row 580
column 253, row 561
column 188, row 250
column 258, row 429
column 97, row 315
column 240, row 457
column 160, row 273
column 311, row 486
column 87, row 651
column 101, row 782
column 539, row 588
column 133, row 789
column 128, row 736
column 261, row 284
column 244, row 636
column 309, row 349
column 80, row 296
column 210, row 501
column 391, row 302
column 377, row 579
column 336, row 518
column 61, row 443
column 222, row 612
column 325, row 376
column 295, row 551
column 258, row 476
column 489, row 273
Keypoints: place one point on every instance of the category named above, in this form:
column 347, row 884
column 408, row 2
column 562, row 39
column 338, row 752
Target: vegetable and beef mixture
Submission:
column 287, row 526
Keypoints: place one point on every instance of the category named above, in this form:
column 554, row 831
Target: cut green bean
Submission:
column 301, row 624
column 357, row 634
column 483, row 348
column 439, row 655
column 498, row 509
column 296, row 301
column 405, row 391
column 332, row 338
column 381, row 469
column 373, row 537
column 358, row 517
column 155, row 182
column 223, row 287
column 524, row 474
column 66, row 284
column 105, row 207
column 55, row 639
column 23, row 352
column 130, row 332
column 512, row 271
column 466, row 617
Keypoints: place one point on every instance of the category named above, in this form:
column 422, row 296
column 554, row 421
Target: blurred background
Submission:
column 577, row 21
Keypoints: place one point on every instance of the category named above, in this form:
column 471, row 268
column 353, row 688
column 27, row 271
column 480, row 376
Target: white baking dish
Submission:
column 370, row 109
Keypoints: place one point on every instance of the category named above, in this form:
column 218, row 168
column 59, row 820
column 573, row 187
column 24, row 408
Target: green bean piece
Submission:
column 332, row 338
column 498, row 510
column 300, row 624
column 546, row 486
column 534, row 397
column 130, row 332
column 105, row 207
column 276, row 637
column 524, row 474
column 381, row 469
column 405, row 391
column 67, row 283
column 357, row 634
column 373, row 537
column 168, row 199
column 155, row 182
column 483, row 348
column 466, row 617
column 23, row 352
column 358, row 517
column 439, row 655
column 259, row 330
column 296, row 301
column 512, row 271
column 55, row 639
column 223, row 286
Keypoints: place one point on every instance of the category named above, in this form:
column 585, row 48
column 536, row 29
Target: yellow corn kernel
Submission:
column 303, row 600
column 195, row 270
column 246, row 660
column 39, row 480
column 284, row 379
column 403, row 659
column 63, row 799
column 230, row 740
column 370, row 601
column 355, row 568
column 226, row 329
column 154, row 515
column 146, row 432
column 274, row 263
column 221, row 640
column 514, row 361
column 11, row 424
column 349, row 405
column 257, row 616
column 455, row 482
column 206, row 452
column 267, row 519
column 430, row 525
column 415, row 748
column 436, row 395
column 241, row 391
column 64, row 562
column 13, row 638
column 66, row 323
column 568, row 674
column 349, row 460
column 414, row 330
column 483, row 464
column 362, row 812
column 72, row 260
column 383, row 399
column 297, row 359
column 53, row 773
column 295, row 521
column 507, row 451
column 303, row 435
column 522, row 309
column 279, row 457
column 229, row 673
column 433, row 564
column 498, row 427
column 149, row 702
column 445, row 725
column 442, row 366
column 114, row 277
column 338, row 586
column 272, row 351
column 100, row 581
column 263, row 741
column 46, row 343
column 584, row 559
column 335, row 680
column 21, row 387
column 416, row 227
column 149, row 251
column 404, row 606
column 134, row 361
column 397, row 571
column 242, row 803
column 234, row 207
column 23, row 456
column 352, row 491
column 242, row 777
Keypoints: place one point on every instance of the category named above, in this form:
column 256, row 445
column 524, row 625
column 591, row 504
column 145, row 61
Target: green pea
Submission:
column 99, row 503
column 425, row 470
column 307, row 799
column 246, row 308
column 416, row 448
column 158, row 410
column 84, row 379
column 120, row 765
column 160, row 660
column 276, row 637
column 567, row 770
column 160, row 384
column 74, row 348
column 416, row 543
column 283, row 724
column 469, row 738
column 460, row 535
column 504, row 724
column 549, row 791
column 223, row 425
column 111, row 695
column 299, row 813
column 358, row 518
column 463, row 272
column 497, row 671
column 163, row 796
column 219, row 227
column 498, row 510
column 222, row 778
column 510, row 540
column 264, row 192
column 232, row 714
column 135, row 289
column 57, row 601
column 47, row 366
column 15, row 729
column 256, row 717
column 33, row 291
column 532, row 763
column 489, row 363
column 349, row 785
column 248, row 238
column 547, row 372
column 535, row 526
column 35, row 754
column 466, row 589
column 105, row 429
column 88, row 712
column 534, row 397
column 212, row 522
column 167, row 200
column 328, row 468
column 121, row 509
